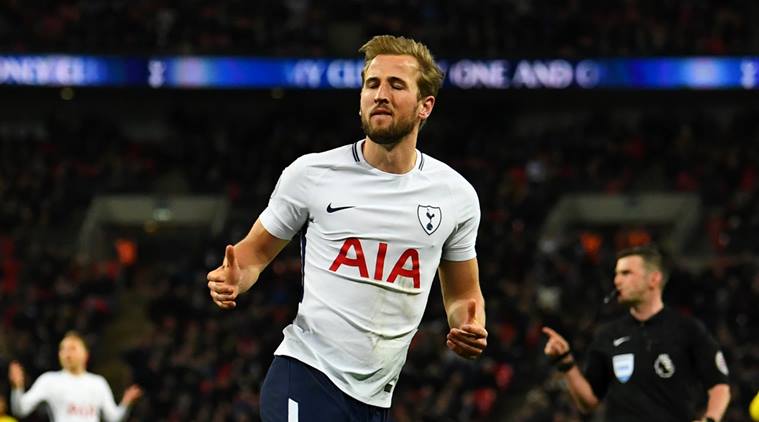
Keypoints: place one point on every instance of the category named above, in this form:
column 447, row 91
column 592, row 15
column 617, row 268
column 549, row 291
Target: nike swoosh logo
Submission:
column 620, row 340
column 331, row 210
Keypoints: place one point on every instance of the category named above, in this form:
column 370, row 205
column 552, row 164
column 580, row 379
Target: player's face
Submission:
column 72, row 354
column 632, row 280
column 390, row 105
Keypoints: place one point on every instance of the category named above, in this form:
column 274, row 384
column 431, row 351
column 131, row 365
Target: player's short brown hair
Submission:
column 75, row 335
column 430, row 75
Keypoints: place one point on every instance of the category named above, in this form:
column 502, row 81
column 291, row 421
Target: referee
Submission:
column 651, row 365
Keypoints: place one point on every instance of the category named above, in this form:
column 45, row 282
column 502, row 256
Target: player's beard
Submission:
column 388, row 135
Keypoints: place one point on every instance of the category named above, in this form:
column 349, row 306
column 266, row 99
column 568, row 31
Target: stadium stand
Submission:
column 451, row 28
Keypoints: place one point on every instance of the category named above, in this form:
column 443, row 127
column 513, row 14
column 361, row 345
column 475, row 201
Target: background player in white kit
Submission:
column 72, row 394
column 377, row 219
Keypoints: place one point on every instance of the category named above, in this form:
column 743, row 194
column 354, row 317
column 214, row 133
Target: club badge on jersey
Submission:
column 429, row 217
column 624, row 365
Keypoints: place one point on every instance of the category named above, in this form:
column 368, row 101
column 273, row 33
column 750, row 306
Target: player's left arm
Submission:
column 464, row 306
column 111, row 412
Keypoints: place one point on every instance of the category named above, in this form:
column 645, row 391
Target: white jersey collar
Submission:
column 358, row 155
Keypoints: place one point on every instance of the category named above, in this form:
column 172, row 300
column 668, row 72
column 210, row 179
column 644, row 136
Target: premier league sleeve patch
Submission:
column 623, row 366
column 719, row 360
column 429, row 217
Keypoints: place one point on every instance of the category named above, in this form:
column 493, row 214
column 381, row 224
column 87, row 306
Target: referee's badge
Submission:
column 429, row 217
column 623, row 366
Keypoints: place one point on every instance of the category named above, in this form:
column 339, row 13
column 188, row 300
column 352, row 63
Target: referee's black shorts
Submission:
column 296, row 392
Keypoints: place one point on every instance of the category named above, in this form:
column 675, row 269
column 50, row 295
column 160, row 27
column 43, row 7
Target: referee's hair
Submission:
column 652, row 259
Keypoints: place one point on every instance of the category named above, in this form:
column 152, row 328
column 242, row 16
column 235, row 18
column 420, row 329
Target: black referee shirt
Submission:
column 658, row 370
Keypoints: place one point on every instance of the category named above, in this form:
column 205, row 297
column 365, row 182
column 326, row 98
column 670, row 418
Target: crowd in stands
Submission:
column 453, row 28
column 197, row 362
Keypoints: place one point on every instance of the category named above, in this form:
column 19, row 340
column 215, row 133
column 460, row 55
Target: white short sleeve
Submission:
column 288, row 210
column 460, row 245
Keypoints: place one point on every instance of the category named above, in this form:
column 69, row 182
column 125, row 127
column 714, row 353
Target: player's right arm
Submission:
column 242, row 265
column 579, row 387
column 23, row 403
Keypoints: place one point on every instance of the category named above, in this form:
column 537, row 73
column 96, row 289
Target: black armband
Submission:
column 557, row 360
column 565, row 367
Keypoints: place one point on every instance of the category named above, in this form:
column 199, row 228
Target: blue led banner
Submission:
column 68, row 70
column 252, row 73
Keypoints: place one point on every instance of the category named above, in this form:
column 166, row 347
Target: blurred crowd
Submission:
column 452, row 28
column 197, row 362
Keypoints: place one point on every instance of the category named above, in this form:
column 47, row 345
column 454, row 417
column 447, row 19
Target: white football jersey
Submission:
column 69, row 397
column 371, row 243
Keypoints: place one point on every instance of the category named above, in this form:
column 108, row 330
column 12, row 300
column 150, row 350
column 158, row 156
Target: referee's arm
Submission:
column 719, row 397
column 579, row 387
column 711, row 368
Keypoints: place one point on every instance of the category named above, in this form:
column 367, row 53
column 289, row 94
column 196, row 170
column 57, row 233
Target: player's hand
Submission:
column 16, row 374
column 469, row 340
column 556, row 344
column 224, row 282
column 131, row 394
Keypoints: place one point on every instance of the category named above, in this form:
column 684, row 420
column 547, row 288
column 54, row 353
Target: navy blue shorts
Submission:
column 296, row 392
